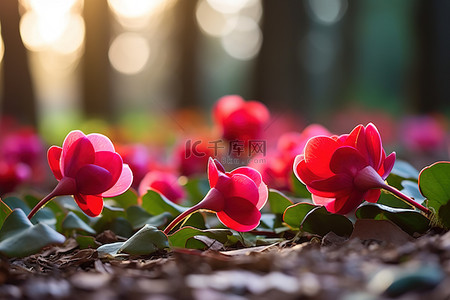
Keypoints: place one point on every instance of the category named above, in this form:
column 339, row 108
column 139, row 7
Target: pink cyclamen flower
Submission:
column 239, row 119
column 342, row 171
column 165, row 183
column 88, row 168
column 236, row 197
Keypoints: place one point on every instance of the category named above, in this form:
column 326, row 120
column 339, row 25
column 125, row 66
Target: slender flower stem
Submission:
column 407, row 199
column 180, row 218
column 41, row 204
column 368, row 178
column 66, row 186
column 213, row 201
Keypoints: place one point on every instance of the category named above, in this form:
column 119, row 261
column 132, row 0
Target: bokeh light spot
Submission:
column 129, row 53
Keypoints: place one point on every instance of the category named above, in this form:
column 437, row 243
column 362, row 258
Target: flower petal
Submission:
column 89, row 204
column 372, row 195
column 225, row 106
column 122, row 184
column 258, row 110
column 373, row 142
column 388, row 165
column 318, row 152
column 334, row 186
column 79, row 153
column 344, row 205
column 100, row 142
column 92, row 180
column 242, row 186
column 54, row 157
column 213, row 173
column 257, row 179
column 111, row 161
column 302, row 171
column 239, row 214
column 347, row 160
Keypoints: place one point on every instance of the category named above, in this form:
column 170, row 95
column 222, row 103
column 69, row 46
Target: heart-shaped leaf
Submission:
column 320, row 221
column 20, row 238
column 156, row 204
column 278, row 202
column 144, row 242
column 180, row 237
column 138, row 217
column 126, row 199
column 85, row 241
column 409, row 220
column 73, row 222
column 434, row 184
column 404, row 170
column 294, row 214
column 5, row 210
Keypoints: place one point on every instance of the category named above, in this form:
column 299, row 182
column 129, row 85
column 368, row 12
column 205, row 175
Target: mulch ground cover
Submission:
column 310, row 268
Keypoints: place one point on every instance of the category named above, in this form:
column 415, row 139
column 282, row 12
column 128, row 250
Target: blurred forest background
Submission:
column 129, row 62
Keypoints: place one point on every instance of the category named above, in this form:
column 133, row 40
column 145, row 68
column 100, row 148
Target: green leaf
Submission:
column 146, row 241
column 389, row 199
column 85, row 241
column 73, row 222
column 400, row 172
column 411, row 189
column 299, row 188
column 278, row 201
column 405, row 170
column 20, row 238
column 138, row 217
column 126, row 199
column 409, row 220
column 320, row 221
column 110, row 250
column 434, row 184
column 4, row 212
column 156, row 204
column 196, row 188
column 16, row 202
column 180, row 237
column 294, row 214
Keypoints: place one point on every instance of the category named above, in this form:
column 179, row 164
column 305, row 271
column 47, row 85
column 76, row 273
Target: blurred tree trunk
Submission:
column 279, row 80
column 97, row 102
column 187, row 37
column 433, row 74
column 18, row 99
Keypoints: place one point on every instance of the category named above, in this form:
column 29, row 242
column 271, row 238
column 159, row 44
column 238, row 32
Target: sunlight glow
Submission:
column 51, row 25
column 235, row 23
column 245, row 41
column 227, row 6
column 129, row 53
column 213, row 22
column 134, row 13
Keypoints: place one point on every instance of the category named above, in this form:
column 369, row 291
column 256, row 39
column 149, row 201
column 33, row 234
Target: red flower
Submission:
column 12, row 174
column 192, row 155
column 276, row 166
column 88, row 168
column 240, row 120
column 237, row 197
column 341, row 172
column 164, row 183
